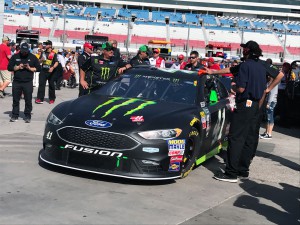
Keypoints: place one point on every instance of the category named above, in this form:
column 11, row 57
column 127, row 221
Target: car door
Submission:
column 215, row 110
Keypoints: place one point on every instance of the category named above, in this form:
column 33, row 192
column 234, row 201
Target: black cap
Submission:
column 48, row 42
column 24, row 48
column 252, row 45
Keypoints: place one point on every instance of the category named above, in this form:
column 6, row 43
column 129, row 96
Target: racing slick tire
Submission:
column 191, row 152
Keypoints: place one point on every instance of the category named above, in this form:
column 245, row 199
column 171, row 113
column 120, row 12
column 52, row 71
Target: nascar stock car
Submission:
column 149, row 124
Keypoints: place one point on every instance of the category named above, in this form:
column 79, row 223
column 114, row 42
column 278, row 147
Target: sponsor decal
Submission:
column 175, row 152
column 101, row 62
column 137, row 119
column 177, row 158
column 203, row 120
column 128, row 102
column 150, row 149
column 174, row 167
column 98, row 123
column 195, row 120
column 150, row 162
column 195, row 83
column 93, row 151
column 193, row 133
column 105, row 73
column 203, row 125
column 178, row 144
column 202, row 114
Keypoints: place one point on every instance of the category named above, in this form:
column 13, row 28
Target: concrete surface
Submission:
column 35, row 194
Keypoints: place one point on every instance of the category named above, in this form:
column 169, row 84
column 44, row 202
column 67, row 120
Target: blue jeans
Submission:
column 270, row 113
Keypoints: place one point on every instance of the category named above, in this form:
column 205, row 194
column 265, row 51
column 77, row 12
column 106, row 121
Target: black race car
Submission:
column 149, row 123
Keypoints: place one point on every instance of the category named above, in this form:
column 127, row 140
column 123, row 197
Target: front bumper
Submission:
column 132, row 163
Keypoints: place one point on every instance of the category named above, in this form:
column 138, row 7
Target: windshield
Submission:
column 152, row 87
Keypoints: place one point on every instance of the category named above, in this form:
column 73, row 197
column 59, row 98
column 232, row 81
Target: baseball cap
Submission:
column 181, row 56
column 211, row 59
column 156, row 50
column 88, row 45
column 60, row 50
column 252, row 45
column 143, row 48
column 5, row 38
column 107, row 46
column 24, row 48
column 48, row 42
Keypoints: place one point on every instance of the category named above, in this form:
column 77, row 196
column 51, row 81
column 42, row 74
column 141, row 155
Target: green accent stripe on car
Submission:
column 140, row 107
column 209, row 155
column 107, row 103
column 130, row 101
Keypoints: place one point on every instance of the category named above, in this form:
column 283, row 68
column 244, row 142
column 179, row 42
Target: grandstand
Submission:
column 197, row 23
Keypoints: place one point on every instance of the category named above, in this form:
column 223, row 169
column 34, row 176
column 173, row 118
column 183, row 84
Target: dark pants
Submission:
column 17, row 89
column 43, row 78
column 243, row 139
column 59, row 76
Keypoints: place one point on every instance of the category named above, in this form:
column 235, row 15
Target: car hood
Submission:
column 125, row 114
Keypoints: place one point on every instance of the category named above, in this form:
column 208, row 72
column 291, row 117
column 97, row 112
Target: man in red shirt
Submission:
column 180, row 64
column 5, row 75
column 212, row 65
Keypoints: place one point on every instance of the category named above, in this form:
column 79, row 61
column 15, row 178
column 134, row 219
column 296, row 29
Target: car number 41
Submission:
column 49, row 135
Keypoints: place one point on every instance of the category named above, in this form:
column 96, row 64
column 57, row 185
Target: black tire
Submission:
column 192, row 148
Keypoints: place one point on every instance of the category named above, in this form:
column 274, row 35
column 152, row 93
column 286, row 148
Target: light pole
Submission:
column 188, row 41
column 131, row 20
column 242, row 34
column 167, row 20
column 284, row 45
column 64, row 31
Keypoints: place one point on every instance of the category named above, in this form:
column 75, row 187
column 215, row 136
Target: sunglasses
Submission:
column 192, row 57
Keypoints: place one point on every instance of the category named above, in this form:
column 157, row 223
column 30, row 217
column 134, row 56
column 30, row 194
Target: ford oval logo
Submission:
column 98, row 123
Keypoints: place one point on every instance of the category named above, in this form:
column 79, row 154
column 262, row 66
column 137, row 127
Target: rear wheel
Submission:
column 192, row 149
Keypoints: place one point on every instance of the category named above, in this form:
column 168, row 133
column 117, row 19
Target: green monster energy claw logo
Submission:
column 174, row 80
column 128, row 102
column 105, row 73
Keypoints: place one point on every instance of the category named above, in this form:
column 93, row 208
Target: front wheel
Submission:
column 192, row 149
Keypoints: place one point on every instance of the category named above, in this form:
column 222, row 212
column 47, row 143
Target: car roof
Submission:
column 153, row 71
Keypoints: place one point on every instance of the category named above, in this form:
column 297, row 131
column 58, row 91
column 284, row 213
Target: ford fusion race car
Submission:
column 149, row 123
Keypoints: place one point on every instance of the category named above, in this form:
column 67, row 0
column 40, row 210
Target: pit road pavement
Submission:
column 35, row 194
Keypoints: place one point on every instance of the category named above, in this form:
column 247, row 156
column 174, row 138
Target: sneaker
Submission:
column 27, row 119
column 243, row 176
column 267, row 136
column 262, row 135
column 2, row 94
column 13, row 119
column 226, row 177
column 51, row 102
column 38, row 101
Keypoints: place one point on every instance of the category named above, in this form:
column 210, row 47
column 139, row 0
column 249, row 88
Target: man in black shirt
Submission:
column 142, row 58
column 194, row 64
column 23, row 64
column 85, row 56
column 98, row 70
column 251, row 86
column 49, row 64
